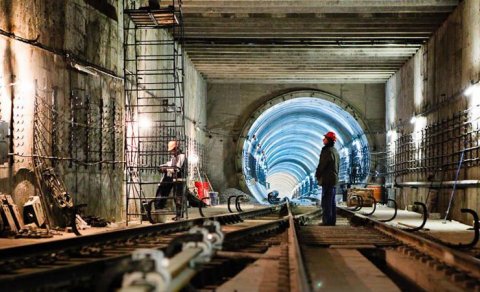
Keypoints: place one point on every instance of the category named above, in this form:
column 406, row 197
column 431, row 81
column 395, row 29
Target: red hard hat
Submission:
column 331, row 136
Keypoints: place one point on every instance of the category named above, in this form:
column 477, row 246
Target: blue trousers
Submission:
column 329, row 207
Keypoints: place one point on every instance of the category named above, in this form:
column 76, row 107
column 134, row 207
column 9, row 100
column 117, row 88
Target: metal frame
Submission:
column 154, row 92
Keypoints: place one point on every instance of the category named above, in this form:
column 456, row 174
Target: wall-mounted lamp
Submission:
column 23, row 86
column 196, row 126
column 83, row 69
column 144, row 123
column 413, row 120
column 193, row 158
column 473, row 90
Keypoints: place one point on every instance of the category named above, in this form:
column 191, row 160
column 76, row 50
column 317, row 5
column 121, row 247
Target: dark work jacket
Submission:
column 327, row 169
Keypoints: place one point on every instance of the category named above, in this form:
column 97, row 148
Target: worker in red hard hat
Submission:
column 327, row 177
column 331, row 136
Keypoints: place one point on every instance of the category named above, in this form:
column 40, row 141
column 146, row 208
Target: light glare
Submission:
column 144, row 123
column 472, row 90
column 193, row 158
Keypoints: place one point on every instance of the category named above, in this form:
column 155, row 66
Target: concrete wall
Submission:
column 431, row 85
column 230, row 106
column 40, row 43
column 37, row 65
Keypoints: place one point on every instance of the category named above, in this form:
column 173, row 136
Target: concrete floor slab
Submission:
column 344, row 270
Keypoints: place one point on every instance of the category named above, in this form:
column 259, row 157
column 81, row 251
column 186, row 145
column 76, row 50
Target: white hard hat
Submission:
column 172, row 145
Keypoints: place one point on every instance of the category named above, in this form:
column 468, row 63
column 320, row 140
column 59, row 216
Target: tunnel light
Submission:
column 473, row 90
column 84, row 69
column 197, row 127
column 193, row 158
column 144, row 123
column 413, row 120
column 23, row 86
column 289, row 134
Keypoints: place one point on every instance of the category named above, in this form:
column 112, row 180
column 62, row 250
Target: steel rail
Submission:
column 303, row 218
column 298, row 277
column 441, row 252
column 235, row 236
column 85, row 267
column 76, row 243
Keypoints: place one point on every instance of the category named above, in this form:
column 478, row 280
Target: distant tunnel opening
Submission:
column 283, row 140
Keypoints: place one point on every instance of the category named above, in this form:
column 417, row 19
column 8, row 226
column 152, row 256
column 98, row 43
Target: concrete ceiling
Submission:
column 309, row 41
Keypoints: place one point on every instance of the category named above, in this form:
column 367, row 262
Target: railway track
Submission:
column 82, row 261
column 258, row 250
column 359, row 254
column 395, row 258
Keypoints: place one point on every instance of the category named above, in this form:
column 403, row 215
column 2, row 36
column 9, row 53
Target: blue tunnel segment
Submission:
column 281, row 148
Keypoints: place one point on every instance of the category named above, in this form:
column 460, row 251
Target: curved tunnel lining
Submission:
column 283, row 140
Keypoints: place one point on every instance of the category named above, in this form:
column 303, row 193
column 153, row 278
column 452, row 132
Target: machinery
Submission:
column 155, row 270
column 33, row 211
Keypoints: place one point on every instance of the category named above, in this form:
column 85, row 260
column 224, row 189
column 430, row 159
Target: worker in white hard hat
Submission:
column 174, row 172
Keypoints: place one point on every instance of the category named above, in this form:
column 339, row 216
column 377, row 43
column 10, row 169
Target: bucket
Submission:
column 202, row 189
column 377, row 192
column 213, row 198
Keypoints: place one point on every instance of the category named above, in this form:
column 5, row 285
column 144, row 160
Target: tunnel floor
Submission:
column 447, row 231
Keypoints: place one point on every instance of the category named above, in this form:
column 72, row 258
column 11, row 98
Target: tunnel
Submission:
column 283, row 140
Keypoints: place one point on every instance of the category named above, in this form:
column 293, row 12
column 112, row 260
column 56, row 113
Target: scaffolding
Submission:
column 154, row 96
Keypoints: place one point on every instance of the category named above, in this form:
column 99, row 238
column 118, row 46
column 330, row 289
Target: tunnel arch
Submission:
column 280, row 144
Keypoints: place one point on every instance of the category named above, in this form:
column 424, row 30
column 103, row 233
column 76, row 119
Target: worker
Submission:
column 272, row 197
column 174, row 175
column 327, row 177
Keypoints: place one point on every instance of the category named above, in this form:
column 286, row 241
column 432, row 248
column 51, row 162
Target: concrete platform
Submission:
column 450, row 231
column 453, row 232
column 192, row 213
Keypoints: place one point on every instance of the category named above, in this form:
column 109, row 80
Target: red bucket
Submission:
column 202, row 189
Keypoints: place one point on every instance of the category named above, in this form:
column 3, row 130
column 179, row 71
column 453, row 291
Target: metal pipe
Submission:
column 395, row 212
column 425, row 217
column 200, row 205
column 360, row 204
column 476, row 228
column 182, row 260
column 374, row 206
column 228, row 203
column 445, row 184
column 454, row 187
column 182, row 279
column 237, row 203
